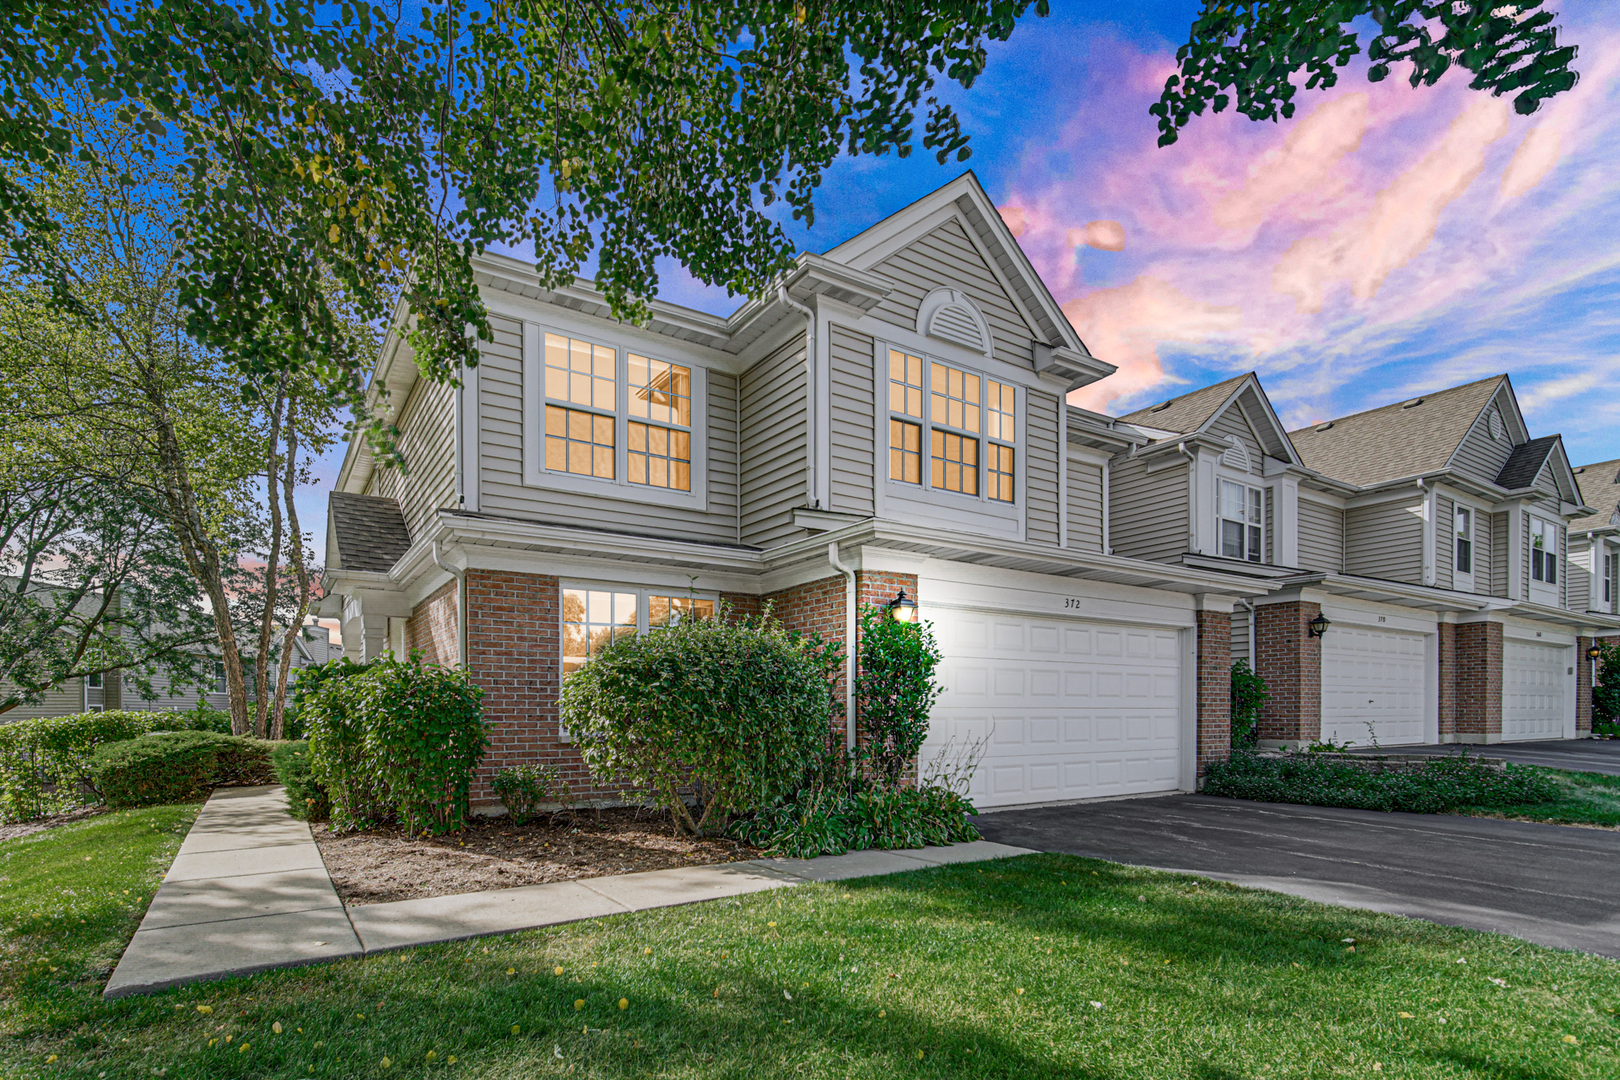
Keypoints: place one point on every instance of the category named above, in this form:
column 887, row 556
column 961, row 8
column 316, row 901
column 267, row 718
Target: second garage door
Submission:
column 1373, row 686
column 1533, row 685
column 1067, row 709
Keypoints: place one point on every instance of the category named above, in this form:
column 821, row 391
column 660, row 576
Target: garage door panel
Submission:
column 1534, row 682
column 1098, row 716
column 1374, row 686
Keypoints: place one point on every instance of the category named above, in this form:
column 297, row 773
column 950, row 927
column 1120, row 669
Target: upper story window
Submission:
column 1543, row 551
column 1242, row 521
column 967, row 421
column 93, row 681
column 1608, row 578
column 1464, row 527
column 583, row 396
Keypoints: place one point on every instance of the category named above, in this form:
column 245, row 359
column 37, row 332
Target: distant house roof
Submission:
column 1399, row 440
column 1186, row 413
column 1525, row 463
column 1600, row 489
column 369, row 532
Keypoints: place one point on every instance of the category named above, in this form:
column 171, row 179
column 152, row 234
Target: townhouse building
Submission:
column 892, row 419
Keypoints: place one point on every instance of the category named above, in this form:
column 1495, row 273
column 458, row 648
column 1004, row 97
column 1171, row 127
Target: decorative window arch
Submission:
column 1236, row 456
column 949, row 315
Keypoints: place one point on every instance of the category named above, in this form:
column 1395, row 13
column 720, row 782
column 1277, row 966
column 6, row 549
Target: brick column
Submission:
column 1448, row 682
column 1290, row 661
column 431, row 629
column 1214, row 688
column 1479, row 682
column 1583, row 687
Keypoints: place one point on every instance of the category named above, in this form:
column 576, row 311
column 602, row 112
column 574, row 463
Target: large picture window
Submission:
column 1242, row 522
column 1543, row 551
column 967, row 421
column 594, row 618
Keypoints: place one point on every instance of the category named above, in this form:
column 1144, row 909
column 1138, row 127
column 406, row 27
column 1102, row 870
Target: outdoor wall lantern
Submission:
column 1318, row 626
column 1595, row 652
column 903, row 609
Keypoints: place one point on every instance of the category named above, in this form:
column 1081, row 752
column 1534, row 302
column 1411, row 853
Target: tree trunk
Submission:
column 272, row 564
column 300, row 567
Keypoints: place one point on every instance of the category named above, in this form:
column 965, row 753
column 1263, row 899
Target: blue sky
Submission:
column 1383, row 243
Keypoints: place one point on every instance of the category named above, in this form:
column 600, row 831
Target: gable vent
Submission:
column 1237, row 456
column 1496, row 425
column 955, row 323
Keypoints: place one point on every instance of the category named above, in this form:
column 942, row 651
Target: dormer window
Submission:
column 1543, row 551
column 1242, row 522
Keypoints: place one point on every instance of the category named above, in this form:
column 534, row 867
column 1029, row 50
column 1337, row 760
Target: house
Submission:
column 890, row 419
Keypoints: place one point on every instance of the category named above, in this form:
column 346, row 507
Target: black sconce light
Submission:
column 1595, row 652
column 1318, row 626
column 903, row 609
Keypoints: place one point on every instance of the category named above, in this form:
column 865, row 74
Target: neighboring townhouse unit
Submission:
column 892, row 417
column 1432, row 535
column 1594, row 540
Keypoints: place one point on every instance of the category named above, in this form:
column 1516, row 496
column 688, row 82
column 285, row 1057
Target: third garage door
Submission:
column 1533, row 685
column 1373, row 686
column 1068, row 709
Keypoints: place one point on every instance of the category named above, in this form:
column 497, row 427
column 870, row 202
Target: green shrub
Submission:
column 200, row 717
column 735, row 713
column 306, row 799
column 1249, row 696
column 523, row 788
column 1437, row 787
column 894, row 690
column 395, row 738
column 1606, row 690
column 164, row 767
column 831, row 821
column 45, row 761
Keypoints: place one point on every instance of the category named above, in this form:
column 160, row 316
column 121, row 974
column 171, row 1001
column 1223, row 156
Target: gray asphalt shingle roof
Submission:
column 1600, row 489
column 1395, row 441
column 1525, row 462
column 370, row 531
column 1189, row 412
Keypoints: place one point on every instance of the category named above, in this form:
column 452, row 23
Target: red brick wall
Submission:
column 1214, row 687
column 1448, row 680
column 431, row 629
column 1583, row 686
column 1290, row 661
column 1479, row 679
column 741, row 604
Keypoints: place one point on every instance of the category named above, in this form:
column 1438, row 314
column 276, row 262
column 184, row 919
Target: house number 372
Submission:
column 1071, row 602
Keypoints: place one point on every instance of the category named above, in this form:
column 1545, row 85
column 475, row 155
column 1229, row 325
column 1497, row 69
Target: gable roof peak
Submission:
column 1190, row 411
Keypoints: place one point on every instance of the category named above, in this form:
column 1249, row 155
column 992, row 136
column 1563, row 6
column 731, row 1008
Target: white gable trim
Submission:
column 951, row 315
column 1271, row 420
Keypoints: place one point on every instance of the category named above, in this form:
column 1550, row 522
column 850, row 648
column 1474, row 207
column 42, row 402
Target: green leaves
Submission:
column 1255, row 48
column 894, row 690
column 1422, row 788
column 1249, row 696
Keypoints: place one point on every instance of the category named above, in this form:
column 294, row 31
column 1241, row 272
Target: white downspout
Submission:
column 461, row 605
column 1193, row 509
column 810, row 448
column 849, row 645
column 1107, row 542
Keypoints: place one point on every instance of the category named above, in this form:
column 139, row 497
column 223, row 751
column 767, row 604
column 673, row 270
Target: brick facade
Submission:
column 1214, row 687
column 1447, row 633
column 431, row 629
column 1290, row 661
column 1583, row 687
column 1479, row 682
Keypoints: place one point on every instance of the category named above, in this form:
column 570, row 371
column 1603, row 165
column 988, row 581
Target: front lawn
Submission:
column 1033, row 967
column 1584, row 799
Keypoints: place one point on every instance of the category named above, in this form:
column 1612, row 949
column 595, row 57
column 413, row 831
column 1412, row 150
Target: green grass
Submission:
column 1585, row 799
column 917, row 975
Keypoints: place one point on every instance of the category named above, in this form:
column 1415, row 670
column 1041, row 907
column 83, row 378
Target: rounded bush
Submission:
column 173, row 766
column 45, row 761
column 306, row 799
column 732, row 713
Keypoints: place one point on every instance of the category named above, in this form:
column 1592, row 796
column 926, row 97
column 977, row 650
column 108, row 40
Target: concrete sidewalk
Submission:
column 248, row 892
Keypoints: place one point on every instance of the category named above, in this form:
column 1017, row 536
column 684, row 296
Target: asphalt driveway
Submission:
column 1576, row 755
column 1552, row 884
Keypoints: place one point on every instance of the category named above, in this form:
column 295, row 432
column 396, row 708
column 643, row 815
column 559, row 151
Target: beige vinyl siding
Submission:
column 1385, row 540
column 1271, row 531
column 946, row 258
column 1231, row 422
column 1321, row 537
column 1085, row 505
column 1148, row 512
column 503, row 492
column 427, row 441
column 1485, row 553
column 65, row 700
column 1041, row 468
column 1240, row 636
column 1500, row 523
column 1579, row 590
column 773, row 445
column 854, row 454
column 1480, row 456
column 1546, row 482
column 1445, row 542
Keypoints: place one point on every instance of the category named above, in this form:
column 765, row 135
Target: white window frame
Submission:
column 1249, row 527
column 1463, row 580
column 1609, row 560
column 926, row 423
column 94, row 681
column 535, row 473
column 1550, row 565
column 642, row 594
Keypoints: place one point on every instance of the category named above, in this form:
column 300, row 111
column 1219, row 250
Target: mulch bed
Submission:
column 382, row 865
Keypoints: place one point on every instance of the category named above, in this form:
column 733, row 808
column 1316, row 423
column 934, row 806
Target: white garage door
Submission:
column 1533, row 685
column 1373, row 684
column 1068, row 710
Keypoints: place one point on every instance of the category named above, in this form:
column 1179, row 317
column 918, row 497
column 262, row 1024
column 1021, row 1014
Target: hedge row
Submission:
column 1436, row 788
column 173, row 766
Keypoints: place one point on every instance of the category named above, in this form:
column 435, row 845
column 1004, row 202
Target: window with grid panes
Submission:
column 1000, row 428
column 1543, row 551
column 1464, row 563
column 581, row 405
column 659, row 437
column 955, row 425
column 1242, row 521
column 905, row 417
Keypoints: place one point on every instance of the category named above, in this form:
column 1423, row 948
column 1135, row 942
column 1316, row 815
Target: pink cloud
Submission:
column 1102, row 235
column 1307, row 167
